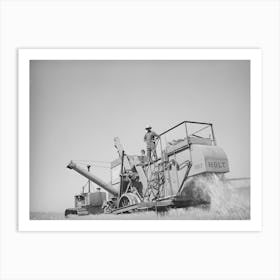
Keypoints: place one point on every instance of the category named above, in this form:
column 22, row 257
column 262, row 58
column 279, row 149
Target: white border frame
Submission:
column 24, row 57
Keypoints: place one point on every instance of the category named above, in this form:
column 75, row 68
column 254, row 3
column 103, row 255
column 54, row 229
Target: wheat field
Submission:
column 230, row 200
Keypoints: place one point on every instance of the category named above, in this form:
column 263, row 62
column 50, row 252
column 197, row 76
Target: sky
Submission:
column 78, row 107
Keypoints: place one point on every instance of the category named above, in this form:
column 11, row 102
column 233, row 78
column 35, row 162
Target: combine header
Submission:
column 186, row 151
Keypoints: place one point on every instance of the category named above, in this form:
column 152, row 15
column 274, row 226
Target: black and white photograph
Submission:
column 140, row 139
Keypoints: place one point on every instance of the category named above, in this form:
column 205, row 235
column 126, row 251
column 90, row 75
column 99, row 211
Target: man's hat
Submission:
column 148, row 127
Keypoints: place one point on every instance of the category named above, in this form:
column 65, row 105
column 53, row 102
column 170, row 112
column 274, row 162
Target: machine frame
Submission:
column 160, row 183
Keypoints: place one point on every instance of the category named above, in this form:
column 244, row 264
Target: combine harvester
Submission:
column 185, row 152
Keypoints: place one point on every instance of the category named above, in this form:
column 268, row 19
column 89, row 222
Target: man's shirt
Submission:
column 149, row 138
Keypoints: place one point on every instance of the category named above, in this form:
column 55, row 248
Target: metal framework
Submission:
column 155, row 170
column 142, row 185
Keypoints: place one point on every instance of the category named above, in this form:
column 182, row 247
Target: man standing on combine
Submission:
column 150, row 139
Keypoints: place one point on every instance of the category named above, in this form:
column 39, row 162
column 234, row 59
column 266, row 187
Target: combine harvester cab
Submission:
column 185, row 153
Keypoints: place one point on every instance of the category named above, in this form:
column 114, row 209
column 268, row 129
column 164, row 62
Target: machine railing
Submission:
column 188, row 130
column 185, row 122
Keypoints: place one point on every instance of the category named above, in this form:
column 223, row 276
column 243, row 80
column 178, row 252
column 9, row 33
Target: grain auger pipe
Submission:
column 91, row 177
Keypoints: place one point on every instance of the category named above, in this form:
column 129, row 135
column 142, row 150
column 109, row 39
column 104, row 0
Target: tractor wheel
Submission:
column 128, row 199
column 108, row 207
